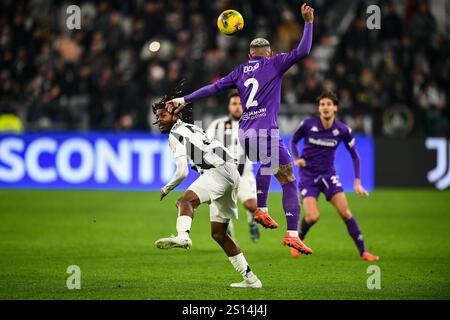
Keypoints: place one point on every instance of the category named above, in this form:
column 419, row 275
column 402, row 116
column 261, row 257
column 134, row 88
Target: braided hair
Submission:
column 186, row 115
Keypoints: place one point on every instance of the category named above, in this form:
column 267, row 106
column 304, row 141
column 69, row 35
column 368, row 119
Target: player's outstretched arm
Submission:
column 286, row 60
column 180, row 174
column 225, row 83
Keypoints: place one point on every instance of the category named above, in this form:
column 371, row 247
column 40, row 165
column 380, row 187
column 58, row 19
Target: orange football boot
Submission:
column 264, row 219
column 295, row 253
column 297, row 244
column 369, row 257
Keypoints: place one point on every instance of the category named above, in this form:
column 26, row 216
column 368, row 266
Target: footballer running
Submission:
column 321, row 136
column 258, row 82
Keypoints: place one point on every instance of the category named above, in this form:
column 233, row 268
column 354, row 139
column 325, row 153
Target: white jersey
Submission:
column 226, row 131
column 202, row 152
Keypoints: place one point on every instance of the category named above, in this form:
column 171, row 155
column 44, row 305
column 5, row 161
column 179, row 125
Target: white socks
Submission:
column 263, row 209
column 292, row 233
column 240, row 264
column 249, row 216
column 184, row 226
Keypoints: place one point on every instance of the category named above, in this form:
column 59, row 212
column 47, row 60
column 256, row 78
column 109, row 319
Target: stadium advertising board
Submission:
column 418, row 163
column 118, row 161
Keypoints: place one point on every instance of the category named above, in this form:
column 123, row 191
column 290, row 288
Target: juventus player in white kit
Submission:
column 217, row 186
column 226, row 130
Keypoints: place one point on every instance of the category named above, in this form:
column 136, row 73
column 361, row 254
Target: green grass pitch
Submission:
column 111, row 235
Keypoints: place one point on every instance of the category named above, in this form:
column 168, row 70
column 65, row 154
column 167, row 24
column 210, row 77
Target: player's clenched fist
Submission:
column 307, row 13
column 175, row 105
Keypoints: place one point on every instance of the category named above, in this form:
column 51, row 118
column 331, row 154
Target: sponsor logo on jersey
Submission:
column 323, row 142
column 251, row 115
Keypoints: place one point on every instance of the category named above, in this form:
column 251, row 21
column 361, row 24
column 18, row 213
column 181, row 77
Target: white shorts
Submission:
column 247, row 187
column 219, row 188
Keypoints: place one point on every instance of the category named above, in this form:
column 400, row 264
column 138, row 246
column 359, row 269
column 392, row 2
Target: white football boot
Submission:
column 173, row 242
column 247, row 283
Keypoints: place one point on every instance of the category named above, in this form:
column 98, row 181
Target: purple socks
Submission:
column 291, row 205
column 304, row 227
column 262, row 188
column 355, row 233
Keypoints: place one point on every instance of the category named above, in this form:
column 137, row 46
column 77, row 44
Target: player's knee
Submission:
column 218, row 236
column 285, row 174
column 312, row 217
column 345, row 214
column 182, row 202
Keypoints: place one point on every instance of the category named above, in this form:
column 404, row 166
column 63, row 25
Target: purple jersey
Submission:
column 320, row 146
column 258, row 82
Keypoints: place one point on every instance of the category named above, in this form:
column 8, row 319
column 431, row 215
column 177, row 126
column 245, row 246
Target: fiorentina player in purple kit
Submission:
column 258, row 82
column 317, row 174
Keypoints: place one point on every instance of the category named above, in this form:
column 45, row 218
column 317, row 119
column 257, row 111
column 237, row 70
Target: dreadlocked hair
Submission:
column 186, row 115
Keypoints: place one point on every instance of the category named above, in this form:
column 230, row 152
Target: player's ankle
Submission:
column 250, row 277
column 292, row 233
column 183, row 235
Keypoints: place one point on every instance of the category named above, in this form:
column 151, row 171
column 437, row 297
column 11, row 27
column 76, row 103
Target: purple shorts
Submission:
column 329, row 185
column 270, row 151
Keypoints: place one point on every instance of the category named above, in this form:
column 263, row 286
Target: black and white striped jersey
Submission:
column 226, row 131
column 202, row 152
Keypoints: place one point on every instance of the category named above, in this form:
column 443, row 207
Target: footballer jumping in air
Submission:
column 226, row 130
column 321, row 137
column 258, row 82
column 217, row 186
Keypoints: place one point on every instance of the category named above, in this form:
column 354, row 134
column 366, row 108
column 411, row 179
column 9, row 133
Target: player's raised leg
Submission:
column 312, row 214
column 186, row 205
column 291, row 203
column 236, row 257
column 339, row 201
column 262, row 191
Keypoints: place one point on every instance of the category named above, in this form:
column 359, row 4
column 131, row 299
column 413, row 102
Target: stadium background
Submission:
column 96, row 85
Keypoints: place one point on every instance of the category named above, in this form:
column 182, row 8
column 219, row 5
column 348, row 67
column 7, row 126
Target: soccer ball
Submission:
column 230, row 22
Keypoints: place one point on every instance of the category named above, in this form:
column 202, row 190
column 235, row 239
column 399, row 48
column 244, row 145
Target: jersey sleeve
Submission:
column 284, row 61
column 350, row 144
column 177, row 147
column 227, row 82
column 179, row 153
column 298, row 135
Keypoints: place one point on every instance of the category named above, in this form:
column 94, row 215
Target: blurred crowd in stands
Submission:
column 105, row 77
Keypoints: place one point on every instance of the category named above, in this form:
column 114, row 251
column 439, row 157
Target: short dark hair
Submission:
column 328, row 95
column 232, row 94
